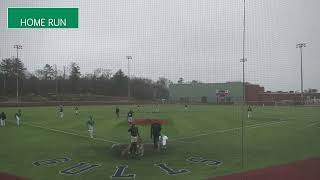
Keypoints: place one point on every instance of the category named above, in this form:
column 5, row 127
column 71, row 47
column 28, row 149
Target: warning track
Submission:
column 5, row 176
column 300, row 170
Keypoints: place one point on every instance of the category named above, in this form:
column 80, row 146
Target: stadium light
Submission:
column 301, row 45
column 17, row 47
column 129, row 58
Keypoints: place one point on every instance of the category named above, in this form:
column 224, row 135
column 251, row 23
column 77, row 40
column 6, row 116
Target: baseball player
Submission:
column 140, row 146
column 155, row 134
column 3, row 118
column 117, row 112
column 76, row 109
column 91, row 124
column 134, row 132
column 130, row 117
column 18, row 117
column 163, row 139
column 249, row 112
column 61, row 112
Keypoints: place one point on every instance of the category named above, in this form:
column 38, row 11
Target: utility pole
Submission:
column 17, row 68
column 129, row 58
column 301, row 45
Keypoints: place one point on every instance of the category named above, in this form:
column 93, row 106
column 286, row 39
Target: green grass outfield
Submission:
column 275, row 135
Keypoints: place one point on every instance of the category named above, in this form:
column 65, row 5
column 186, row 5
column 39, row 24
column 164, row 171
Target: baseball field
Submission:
column 205, row 141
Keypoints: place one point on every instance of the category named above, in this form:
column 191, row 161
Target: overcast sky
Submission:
column 193, row 39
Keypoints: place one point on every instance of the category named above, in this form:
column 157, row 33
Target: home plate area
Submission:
column 300, row 170
column 143, row 150
column 122, row 151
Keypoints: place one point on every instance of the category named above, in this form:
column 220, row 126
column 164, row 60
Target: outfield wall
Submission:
column 197, row 92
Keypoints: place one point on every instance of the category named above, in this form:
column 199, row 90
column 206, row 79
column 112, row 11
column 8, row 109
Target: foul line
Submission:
column 310, row 125
column 174, row 139
column 228, row 130
column 74, row 134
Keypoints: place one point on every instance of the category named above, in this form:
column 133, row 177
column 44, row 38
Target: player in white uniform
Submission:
column 130, row 117
column 134, row 132
column 91, row 124
column 76, row 110
column 249, row 112
column 140, row 147
column 186, row 107
column 3, row 119
column 163, row 140
column 18, row 116
column 61, row 112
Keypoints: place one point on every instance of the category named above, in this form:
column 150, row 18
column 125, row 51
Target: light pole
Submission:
column 129, row 58
column 56, row 78
column 301, row 45
column 17, row 60
column 63, row 82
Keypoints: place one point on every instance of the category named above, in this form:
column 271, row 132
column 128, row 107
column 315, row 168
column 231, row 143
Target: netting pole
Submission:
column 243, row 60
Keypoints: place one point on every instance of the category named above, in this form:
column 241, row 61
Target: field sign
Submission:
column 43, row 18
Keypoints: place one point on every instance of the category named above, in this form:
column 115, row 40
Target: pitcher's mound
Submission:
column 148, row 121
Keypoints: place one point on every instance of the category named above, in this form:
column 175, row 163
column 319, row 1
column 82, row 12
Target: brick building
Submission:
column 255, row 94
column 232, row 92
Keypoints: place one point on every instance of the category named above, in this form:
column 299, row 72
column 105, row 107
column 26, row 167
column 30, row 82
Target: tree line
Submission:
column 50, row 81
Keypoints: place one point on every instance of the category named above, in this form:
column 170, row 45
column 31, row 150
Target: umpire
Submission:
column 155, row 133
